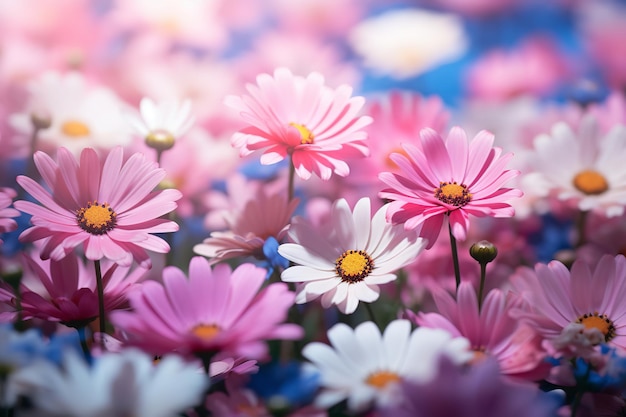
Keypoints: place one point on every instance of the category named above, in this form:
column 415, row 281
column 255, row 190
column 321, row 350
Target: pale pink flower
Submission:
column 591, row 296
column 196, row 159
column 148, row 67
column 602, row 31
column 190, row 22
column 214, row 310
column 491, row 331
column 223, row 208
column 264, row 215
column 275, row 49
column 317, row 18
column 610, row 112
column 345, row 259
column 535, row 67
column 7, row 224
column 107, row 206
column 65, row 290
column 289, row 115
column 449, row 178
column 398, row 117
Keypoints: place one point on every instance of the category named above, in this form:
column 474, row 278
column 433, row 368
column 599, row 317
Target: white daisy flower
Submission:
column 404, row 43
column 163, row 122
column 346, row 259
column 366, row 368
column 125, row 383
column 76, row 114
column 585, row 167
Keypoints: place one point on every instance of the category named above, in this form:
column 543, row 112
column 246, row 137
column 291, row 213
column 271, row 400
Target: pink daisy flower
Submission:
column 591, row 296
column 7, row 224
column 450, row 178
column 214, row 310
column 65, row 290
column 491, row 331
column 301, row 117
column 262, row 217
column 109, row 207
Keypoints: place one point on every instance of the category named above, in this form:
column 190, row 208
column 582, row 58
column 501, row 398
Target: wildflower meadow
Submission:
column 312, row 208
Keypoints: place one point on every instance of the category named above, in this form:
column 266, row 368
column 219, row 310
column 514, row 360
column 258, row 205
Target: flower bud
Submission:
column 483, row 251
column 161, row 140
column 40, row 120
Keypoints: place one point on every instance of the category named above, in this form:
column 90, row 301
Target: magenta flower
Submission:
column 491, row 331
column 65, row 290
column 301, row 117
column 7, row 224
column 109, row 207
column 215, row 310
column 448, row 178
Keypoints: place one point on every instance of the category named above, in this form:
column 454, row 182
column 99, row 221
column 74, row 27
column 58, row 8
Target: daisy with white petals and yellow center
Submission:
column 585, row 167
column 72, row 112
column 366, row 367
column 345, row 260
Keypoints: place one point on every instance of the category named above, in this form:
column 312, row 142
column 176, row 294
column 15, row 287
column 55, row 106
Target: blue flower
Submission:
column 273, row 260
column 18, row 349
column 611, row 375
column 290, row 384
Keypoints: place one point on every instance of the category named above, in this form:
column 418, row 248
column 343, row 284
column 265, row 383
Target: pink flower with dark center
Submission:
column 110, row 206
column 65, row 290
column 450, row 178
column 491, row 331
column 214, row 310
column 7, row 224
column 300, row 117
column 588, row 295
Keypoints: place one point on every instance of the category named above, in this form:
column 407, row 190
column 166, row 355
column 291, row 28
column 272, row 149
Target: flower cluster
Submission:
column 312, row 208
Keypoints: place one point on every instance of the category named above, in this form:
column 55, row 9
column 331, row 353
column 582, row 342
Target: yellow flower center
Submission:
column 590, row 182
column 75, row 129
column 452, row 193
column 381, row 379
column 306, row 136
column 206, row 331
column 600, row 322
column 353, row 266
column 95, row 218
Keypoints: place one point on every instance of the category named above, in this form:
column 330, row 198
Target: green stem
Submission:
column 370, row 311
column 483, row 274
column 581, row 225
column 455, row 258
column 83, row 342
column 581, row 388
column 100, row 288
column 576, row 402
column 292, row 174
column 3, row 392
